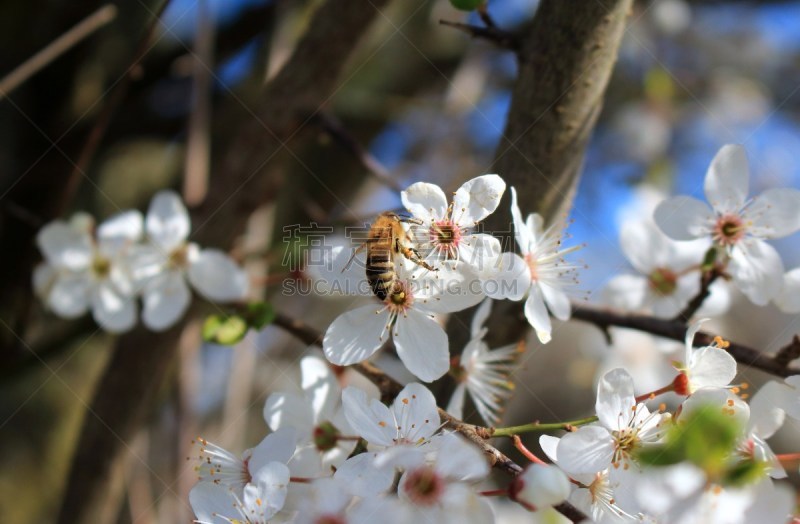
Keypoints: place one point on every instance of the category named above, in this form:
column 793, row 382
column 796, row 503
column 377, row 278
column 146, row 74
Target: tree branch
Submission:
column 676, row 330
column 706, row 279
column 141, row 360
column 494, row 34
column 565, row 62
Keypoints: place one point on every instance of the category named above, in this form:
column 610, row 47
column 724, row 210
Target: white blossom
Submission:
column 440, row 490
column 670, row 275
column 484, row 373
column 261, row 499
column 84, row 271
column 405, row 316
column 737, row 224
column 447, row 231
column 595, row 496
column 316, row 416
column 217, row 465
column 706, row 367
column 624, row 427
column 168, row 260
column 411, row 421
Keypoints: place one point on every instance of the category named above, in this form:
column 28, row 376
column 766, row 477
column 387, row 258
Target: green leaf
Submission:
column 224, row 329
column 709, row 259
column 260, row 314
column 744, row 473
column 466, row 5
column 707, row 437
column 231, row 331
column 211, row 326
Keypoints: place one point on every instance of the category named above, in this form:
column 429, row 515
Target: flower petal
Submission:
column 766, row 413
column 557, row 301
column 683, row 218
column 757, row 270
column 526, row 238
column 639, row 242
column 462, row 460
column 69, row 295
column 453, row 288
column 788, row 300
column 278, row 446
column 626, row 292
column 507, row 278
column 339, row 270
column 537, row 315
column 549, row 445
column 456, row 404
column 369, row 418
column 479, row 251
column 213, row 503
column 775, row 213
column 167, row 220
column 266, row 493
column 362, row 478
column 425, row 201
column 113, row 312
column 588, row 450
column 543, row 486
column 615, row 399
column 416, row 413
column 120, row 231
column 64, row 246
column 289, row 410
column 479, row 318
column 728, row 179
column 166, row 298
column 320, row 387
column 476, row 199
column 711, row 367
column 217, row 277
column 422, row 345
column 355, row 335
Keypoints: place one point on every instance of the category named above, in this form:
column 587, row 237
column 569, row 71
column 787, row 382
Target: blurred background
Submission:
column 430, row 104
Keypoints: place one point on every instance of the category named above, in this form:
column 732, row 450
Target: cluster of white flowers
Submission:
column 337, row 454
column 306, row 472
column 735, row 226
column 614, row 486
column 468, row 267
column 108, row 267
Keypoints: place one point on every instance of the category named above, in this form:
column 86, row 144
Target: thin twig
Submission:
column 56, row 48
column 497, row 36
column 789, row 352
column 340, row 135
column 676, row 330
column 104, row 118
column 706, row 279
column 198, row 141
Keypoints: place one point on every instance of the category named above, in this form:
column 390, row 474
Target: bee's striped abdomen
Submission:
column 380, row 271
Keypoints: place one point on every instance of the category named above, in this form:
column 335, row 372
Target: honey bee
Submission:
column 386, row 239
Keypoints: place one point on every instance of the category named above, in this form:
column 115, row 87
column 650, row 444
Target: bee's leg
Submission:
column 412, row 254
column 356, row 251
column 412, row 220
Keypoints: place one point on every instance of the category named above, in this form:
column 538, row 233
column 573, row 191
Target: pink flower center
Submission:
column 445, row 236
column 663, row 281
column 400, row 297
column 728, row 230
column 533, row 266
column 329, row 519
column 424, row 486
